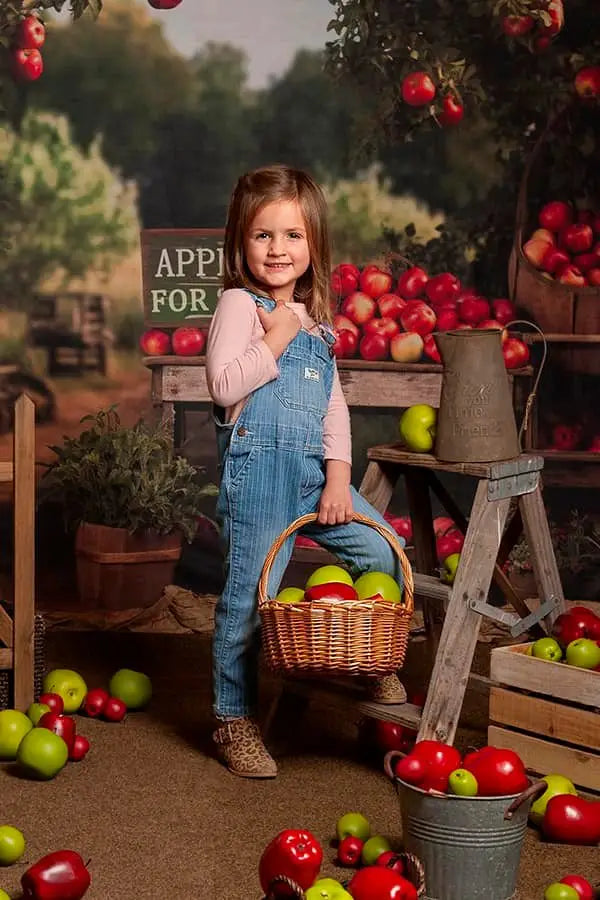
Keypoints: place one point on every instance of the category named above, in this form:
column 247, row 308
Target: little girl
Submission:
column 283, row 431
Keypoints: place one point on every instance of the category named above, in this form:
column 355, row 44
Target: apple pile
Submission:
column 566, row 438
column 536, row 33
column 571, row 887
column 566, row 246
column 438, row 768
column 563, row 816
column 575, row 640
column 187, row 340
column 378, row 320
column 335, row 583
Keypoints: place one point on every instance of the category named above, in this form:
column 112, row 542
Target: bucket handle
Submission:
column 533, row 392
column 283, row 880
column 535, row 790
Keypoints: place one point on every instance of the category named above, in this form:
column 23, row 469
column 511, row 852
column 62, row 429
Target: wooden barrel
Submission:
column 556, row 308
column 118, row 570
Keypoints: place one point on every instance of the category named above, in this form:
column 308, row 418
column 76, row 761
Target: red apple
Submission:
column 493, row 324
column 391, row 860
column 391, row 305
column 498, row 771
column 80, row 747
column 374, row 347
column 63, row 726
column 571, row 275
column 417, row 89
column 535, row 251
column 515, row 352
column 346, row 343
column 331, row 590
column 359, row 307
column 344, row 279
column 376, row 282
column 565, row 437
column 187, row 340
column 594, row 446
column 30, row 34
column 443, row 525
column 462, row 326
column 585, row 261
column 341, row 323
column 516, row 26
column 587, row 82
column 155, row 342
column 164, row 4
column 473, row 309
column 504, row 311
column 593, row 276
column 568, row 628
column 430, row 348
column 554, row 259
column 389, row 735
column 406, row 347
column 402, row 525
column 26, row 65
column 443, row 287
column 576, row 238
column 411, row 283
column 384, row 325
column 555, row 10
column 419, row 317
column 447, row 319
column 114, row 710
column 54, row 701
column 94, row 702
column 581, row 885
column 555, row 215
column 571, row 820
column 447, row 544
column 452, row 111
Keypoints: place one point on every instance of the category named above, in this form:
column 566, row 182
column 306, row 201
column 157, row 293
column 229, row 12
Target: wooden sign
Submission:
column 182, row 274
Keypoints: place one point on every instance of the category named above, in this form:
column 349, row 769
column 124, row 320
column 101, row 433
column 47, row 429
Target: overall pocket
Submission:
column 301, row 383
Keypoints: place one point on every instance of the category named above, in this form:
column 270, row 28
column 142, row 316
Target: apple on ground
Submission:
column 326, row 889
column 42, row 754
column 63, row 726
column 391, row 860
column 379, row 881
column 571, row 820
column 61, row 875
column 411, row 284
column 406, row 347
column 80, row 748
column 54, row 701
column 557, row 784
column 155, row 342
column 584, row 889
column 115, row 710
column 328, row 573
column 353, row 824
column 132, row 687
column 14, row 726
column 378, row 584
column 559, row 891
column 35, row 711
column 349, row 851
column 69, row 685
column 373, row 847
column 12, row 845
column 374, row 347
column 187, row 340
column 417, row 427
column 94, row 702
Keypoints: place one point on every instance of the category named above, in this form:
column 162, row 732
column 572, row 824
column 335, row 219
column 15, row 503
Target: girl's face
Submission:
column 276, row 247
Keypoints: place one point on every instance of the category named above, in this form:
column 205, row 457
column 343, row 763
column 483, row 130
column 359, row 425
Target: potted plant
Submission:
column 132, row 501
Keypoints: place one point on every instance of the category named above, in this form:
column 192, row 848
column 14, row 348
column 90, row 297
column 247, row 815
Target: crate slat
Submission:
column 545, row 718
column 512, row 666
column 544, row 757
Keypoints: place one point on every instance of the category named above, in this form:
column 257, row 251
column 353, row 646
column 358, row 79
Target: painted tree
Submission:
column 493, row 73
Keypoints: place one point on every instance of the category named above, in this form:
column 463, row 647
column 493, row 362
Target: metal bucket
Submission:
column 470, row 847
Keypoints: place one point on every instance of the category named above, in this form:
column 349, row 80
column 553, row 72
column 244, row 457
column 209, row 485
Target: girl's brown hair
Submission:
column 266, row 185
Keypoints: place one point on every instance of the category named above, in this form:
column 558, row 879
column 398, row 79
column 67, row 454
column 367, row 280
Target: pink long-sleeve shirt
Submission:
column 238, row 362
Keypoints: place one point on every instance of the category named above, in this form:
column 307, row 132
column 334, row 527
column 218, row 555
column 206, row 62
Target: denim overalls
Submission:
column 273, row 472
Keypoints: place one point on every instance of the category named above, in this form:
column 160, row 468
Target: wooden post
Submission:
column 24, row 550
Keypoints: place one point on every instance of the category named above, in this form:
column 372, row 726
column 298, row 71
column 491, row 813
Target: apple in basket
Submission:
column 327, row 574
column 378, row 585
column 331, row 590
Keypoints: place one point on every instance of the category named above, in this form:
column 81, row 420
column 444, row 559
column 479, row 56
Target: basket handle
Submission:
column 408, row 593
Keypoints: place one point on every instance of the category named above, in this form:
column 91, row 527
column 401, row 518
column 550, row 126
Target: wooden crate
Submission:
column 548, row 712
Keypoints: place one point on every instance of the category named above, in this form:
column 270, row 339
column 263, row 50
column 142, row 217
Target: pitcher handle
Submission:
column 533, row 392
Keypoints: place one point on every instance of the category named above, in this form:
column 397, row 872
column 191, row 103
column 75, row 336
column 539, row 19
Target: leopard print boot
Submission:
column 240, row 747
column 388, row 689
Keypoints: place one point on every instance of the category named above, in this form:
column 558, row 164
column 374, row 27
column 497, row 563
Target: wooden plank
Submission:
column 545, row 718
column 561, row 338
column 24, row 550
column 6, row 472
column 6, row 628
column 378, row 483
column 396, row 453
column 461, row 624
column 512, row 666
column 542, row 757
column 352, row 697
column 6, row 658
column 543, row 560
column 426, row 562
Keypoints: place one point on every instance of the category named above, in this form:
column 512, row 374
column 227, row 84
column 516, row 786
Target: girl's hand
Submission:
column 335, row 504
column 281, row 327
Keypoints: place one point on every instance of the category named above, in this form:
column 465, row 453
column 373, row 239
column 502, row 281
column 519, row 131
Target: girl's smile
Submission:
column 276, row 248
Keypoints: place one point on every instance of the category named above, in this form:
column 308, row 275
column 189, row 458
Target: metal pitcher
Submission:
column 476, row 420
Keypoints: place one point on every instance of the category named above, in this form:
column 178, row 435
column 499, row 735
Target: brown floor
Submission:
column 160, row 819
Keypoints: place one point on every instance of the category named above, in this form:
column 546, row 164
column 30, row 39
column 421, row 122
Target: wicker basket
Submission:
column 413, row 872
column 335, row 637
column 39, row 663
column 555, row 307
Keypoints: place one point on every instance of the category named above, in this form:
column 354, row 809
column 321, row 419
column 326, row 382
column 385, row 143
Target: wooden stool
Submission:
column 486, row 541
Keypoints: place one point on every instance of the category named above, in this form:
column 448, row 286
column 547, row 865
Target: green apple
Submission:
column 35, row 711
column 450, row 565
column 373, row 848
column 417, row 427
column 4, row 895
column 324, row 574
column 547, row 648
column 354, row 824
column 42, row 754
column 559, row 891
column 583, row 653
column 557, row 784
column 12, row 845
column 290, row 595
column 14, row 725
column 133, row 688
column 462, row 783
column 369, row 584
column 327, row 889
column 67, row 684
